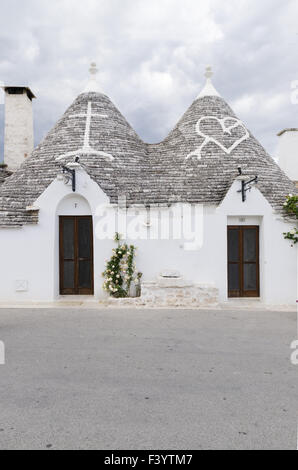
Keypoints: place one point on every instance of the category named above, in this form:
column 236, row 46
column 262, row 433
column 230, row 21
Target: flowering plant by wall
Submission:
column 120, row 269
column 291, row 208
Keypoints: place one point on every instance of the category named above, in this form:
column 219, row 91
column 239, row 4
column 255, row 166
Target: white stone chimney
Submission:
column 287, row 152
column 18, row 126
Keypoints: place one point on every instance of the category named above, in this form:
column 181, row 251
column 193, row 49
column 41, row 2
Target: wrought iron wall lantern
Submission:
column 69, row 173
column 246, row 185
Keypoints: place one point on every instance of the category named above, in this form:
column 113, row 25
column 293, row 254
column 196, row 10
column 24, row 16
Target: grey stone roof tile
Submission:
column 4, row 173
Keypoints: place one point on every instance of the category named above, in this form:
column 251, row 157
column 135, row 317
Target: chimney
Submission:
column 287, row 153
column 18, row 126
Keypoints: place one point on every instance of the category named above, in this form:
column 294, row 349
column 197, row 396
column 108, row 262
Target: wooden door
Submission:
column 243, row 261
column 76, row 255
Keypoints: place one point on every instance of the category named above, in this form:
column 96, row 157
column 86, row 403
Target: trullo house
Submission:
column 204, row 207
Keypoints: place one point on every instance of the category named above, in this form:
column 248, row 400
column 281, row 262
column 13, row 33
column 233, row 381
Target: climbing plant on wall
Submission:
column 120, row 269
column 291, row 208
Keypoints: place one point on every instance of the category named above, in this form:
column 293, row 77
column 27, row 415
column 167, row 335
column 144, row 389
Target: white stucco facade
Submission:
column 30, row 258
column 287, row 152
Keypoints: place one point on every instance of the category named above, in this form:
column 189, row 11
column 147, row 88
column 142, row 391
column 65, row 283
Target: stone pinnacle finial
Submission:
column 92, row 85
column 209, row 72
column 208, row 89
column 93, row 69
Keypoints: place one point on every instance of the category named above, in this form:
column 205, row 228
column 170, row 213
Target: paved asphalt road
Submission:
column 147, row 379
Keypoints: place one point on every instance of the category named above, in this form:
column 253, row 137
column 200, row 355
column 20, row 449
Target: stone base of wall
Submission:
column 195, row 295
column 174, row 293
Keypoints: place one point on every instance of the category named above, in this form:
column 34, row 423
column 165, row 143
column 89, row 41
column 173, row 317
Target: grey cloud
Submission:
column 152, row 57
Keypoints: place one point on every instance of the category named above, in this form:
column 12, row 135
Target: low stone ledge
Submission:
column 186, row 295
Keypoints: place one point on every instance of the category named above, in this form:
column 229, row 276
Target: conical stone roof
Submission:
column 197, row 162
column 199, row 159
column 93, row 129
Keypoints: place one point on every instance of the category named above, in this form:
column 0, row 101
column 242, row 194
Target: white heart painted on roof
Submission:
column 225, row 129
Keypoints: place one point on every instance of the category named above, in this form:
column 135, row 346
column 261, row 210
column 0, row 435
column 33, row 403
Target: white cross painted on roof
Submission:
column 87, row 149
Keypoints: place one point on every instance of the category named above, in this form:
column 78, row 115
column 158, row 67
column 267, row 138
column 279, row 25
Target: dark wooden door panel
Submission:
column 76, row 255
column 67, row 255
column 85, row 255
column 234, row 262
column 243, row 261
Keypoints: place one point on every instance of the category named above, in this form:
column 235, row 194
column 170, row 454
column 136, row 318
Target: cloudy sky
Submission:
column 152, row 56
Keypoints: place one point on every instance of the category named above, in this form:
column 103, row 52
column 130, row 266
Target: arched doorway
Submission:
column 76, row 270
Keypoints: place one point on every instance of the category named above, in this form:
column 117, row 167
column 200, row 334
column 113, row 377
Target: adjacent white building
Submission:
column 204, row 207
column 287, row 152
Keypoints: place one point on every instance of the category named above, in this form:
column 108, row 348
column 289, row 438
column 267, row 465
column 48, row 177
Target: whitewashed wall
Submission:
column 287, row 153
column 31, row 253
